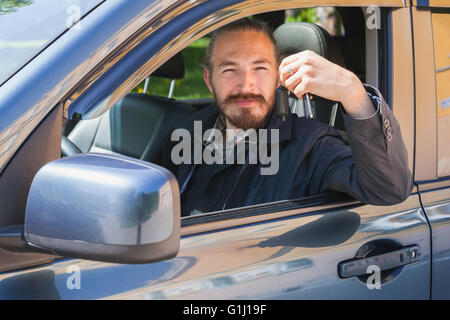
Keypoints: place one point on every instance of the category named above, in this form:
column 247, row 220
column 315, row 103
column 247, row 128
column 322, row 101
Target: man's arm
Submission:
column 375, row 170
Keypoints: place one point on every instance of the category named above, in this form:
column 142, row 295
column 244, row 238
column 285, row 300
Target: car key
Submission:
column 282, row 102
column 309, row 111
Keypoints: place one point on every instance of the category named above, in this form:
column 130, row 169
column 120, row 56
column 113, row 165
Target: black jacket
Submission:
column 313, row 159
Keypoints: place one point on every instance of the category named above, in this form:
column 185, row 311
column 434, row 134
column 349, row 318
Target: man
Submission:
column 242, row 71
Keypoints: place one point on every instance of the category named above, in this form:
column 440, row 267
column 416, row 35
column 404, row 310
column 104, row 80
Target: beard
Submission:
column 245, row 118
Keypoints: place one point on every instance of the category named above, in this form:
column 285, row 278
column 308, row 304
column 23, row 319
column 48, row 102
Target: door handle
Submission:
column 389, row 260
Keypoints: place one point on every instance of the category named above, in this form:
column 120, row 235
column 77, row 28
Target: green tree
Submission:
column 302, row 15
column 10, row 6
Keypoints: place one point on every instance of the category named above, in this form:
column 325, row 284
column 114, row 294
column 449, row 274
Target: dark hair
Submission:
column 239, row 25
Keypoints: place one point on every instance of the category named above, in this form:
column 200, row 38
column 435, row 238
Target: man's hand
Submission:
column 308, row 72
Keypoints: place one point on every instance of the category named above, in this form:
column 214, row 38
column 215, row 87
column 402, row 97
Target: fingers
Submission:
column 302, row 72
column 302, row 88
column 291, row 64
column 300, row 82
column 308, row 72
column 305, row 57
column 288, row 70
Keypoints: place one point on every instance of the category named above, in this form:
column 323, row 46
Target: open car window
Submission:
column 169, row 99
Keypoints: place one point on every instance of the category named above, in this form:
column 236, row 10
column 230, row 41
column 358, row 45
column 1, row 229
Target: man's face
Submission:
column 244, row 77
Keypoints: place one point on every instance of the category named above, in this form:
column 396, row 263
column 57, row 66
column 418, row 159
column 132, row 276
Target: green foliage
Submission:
column 192, row 86
column 10, row 6
column 303, row 15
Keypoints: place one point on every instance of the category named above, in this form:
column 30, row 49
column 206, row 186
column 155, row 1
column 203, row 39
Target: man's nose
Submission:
column 247, row 81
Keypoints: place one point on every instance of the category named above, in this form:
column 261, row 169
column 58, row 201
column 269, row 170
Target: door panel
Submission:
column 431, row 31
column 437, row 207
column 426, row 142
column 403, row 77
column 291, row 258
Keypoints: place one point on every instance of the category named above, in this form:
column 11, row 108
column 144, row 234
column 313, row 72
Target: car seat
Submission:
column 137, row 123
column 294, row 37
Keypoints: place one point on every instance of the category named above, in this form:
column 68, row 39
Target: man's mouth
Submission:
column 245, row 100
column 245, row 103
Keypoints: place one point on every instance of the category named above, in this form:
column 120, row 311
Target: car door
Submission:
column 313, row 248
column 432, row 65
column 294, row 254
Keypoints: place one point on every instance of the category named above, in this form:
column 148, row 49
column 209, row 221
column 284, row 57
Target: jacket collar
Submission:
column 273, row 122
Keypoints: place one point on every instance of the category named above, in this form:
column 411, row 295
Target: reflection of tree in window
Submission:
column 326, row 17
column 10, row 6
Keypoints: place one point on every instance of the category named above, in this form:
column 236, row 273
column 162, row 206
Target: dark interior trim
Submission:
column 262, row 212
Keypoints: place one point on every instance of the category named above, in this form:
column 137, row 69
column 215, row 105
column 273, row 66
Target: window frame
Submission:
column 243, row 215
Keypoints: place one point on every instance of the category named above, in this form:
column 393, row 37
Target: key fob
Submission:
column 282, row 102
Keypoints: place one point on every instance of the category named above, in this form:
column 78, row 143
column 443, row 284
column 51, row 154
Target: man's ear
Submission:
column 206, row 78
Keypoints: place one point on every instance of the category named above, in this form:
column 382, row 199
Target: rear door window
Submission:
column 441, row 38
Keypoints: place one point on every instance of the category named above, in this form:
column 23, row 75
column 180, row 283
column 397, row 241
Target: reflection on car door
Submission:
column 432, row 63
column 437, row 206
column 295, row 257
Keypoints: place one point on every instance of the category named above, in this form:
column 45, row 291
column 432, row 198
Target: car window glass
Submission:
column 140, row 123
column 192, row 85
column 441, row 37
column 27, row 26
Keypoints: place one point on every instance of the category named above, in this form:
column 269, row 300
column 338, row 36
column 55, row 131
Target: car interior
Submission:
column 139, row 123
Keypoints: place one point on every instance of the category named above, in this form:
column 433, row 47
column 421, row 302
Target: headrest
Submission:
column 294, row 37
column 172, row 69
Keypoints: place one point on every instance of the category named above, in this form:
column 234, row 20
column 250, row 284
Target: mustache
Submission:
column 244, row 96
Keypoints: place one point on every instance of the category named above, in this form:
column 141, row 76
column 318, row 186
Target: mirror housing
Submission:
column 104, row 207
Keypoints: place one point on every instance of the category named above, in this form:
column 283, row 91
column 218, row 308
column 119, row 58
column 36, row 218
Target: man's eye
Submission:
column 227, row 70
column 261, row 68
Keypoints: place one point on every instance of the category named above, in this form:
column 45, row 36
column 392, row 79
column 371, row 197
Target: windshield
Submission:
column 27, row 26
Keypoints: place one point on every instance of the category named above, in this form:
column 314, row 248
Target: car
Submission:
column 85, row 215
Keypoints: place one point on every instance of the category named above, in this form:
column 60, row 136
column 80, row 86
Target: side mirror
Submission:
column 104, row 207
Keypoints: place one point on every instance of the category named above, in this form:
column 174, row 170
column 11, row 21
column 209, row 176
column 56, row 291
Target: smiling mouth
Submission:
column 245, row 100
column 245, row 103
